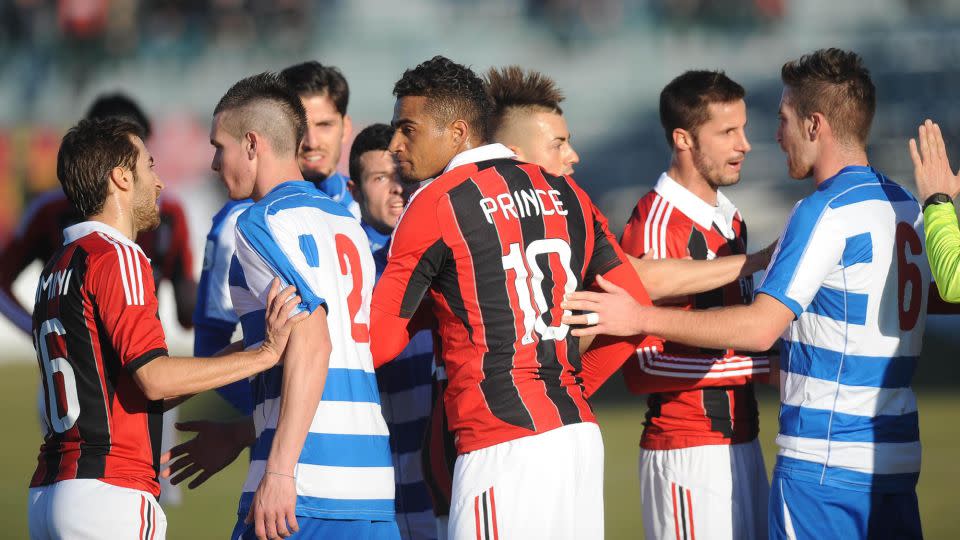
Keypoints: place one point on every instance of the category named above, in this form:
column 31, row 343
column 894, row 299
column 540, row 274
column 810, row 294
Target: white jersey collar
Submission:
column 702, row 213
column 480, row 153
column 78, row 231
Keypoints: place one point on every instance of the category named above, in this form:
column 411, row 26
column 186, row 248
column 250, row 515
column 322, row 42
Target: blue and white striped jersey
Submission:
column 299, row 234
column 851, row 266
column 214, row 319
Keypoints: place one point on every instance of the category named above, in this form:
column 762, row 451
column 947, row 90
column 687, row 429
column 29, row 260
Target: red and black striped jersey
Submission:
column 95, row 323
column 697, row 396
column 496, row 243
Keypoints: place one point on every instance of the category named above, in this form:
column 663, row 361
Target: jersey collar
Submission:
column 78, row 231
column 480, row 153
column 702, row 213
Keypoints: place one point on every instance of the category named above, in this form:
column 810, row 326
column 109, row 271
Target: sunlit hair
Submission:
column 514, row 91
column 453, row 92
column 88, row 152
column 265, row 104
column 685, row 100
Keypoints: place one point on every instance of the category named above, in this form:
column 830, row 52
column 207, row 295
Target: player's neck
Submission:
column 694, row 182
column 834, row 158
column 271, row 174
column 117, row 215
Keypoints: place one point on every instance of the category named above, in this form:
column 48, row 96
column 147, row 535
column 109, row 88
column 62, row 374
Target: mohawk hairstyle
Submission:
column 313, row 78
column 836, row 84
column 453, row 91
column 265, row 104
column 512, row 89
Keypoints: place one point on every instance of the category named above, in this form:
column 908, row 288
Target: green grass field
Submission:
column 209, row 511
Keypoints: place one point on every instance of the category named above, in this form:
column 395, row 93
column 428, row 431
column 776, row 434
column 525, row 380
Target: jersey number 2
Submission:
column 529, row 287
column 349, row 258
column 62, row 401
column 908, row 273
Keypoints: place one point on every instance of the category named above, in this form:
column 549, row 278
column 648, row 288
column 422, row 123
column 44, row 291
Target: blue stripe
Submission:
column 406, row 372
column 407, row 437
column 872, row 192
column 840, row 427
column 412, row 498
column 810, row 471
column 875, row 371
column 859, row 249
column 353, row 385
column 278, row 199
column 333, row 450
column 840, row 306
column 254, row 326
column 236, row 277
column 320, row 507
column 309, row 248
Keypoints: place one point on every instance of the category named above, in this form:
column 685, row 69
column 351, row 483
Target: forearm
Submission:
column 11, row 309
column 735, row 327
column 389, row 335
column 943, row 248
column 171, row 376
column 304, row 376
column 666, row 278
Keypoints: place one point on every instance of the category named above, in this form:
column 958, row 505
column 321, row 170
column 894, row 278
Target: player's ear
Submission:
column 120, row 179
column 347, row 129
column 460, row 131
column 682, row 139
column 815, row 126
column 250, row 142
column 516, row 150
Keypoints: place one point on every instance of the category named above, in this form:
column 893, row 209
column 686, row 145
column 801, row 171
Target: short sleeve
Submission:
column 809, row 249
column 121, row 284
column 261, row 257
column 417, row 255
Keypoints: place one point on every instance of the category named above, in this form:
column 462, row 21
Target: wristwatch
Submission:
column 937, row 198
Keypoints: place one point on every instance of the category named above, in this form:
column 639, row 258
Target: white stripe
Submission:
column 787, row 520
column 649, row 365
column 137, row 263
column 864, row 457
column 131, row 274
column 339, row 417
column 685, row 361
column 655, row 231
column 647, row 224
column 663, row 232
column 123, row 266
column 721, row 368
column 348, row 483
column 813, row 393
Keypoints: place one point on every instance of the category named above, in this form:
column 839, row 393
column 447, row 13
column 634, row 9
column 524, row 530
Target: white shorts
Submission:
column 544, row 486
column 704, row 492
column 84, row 509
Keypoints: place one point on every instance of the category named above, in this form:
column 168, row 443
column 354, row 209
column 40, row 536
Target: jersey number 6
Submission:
column 907, row 272
column 61, row 384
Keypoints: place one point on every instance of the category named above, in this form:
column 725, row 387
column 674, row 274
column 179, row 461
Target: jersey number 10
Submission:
column 529, row 285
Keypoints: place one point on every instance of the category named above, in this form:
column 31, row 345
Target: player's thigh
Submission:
column 687, row 492
column 94, row 510
column 320, row 529
column 545, row 486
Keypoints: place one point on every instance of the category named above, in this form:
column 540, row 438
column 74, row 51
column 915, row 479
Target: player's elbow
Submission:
column 761, row 339
column 151, row 383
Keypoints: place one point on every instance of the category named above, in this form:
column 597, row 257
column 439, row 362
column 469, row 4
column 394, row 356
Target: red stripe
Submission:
column 690, row 513
column 143, row 502
column 493, row 510
column 476, row 515
column 676, row 522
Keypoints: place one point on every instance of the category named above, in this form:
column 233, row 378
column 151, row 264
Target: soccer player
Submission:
column 847, row 289
column 701, row 466
column 325, row 95
column 937, row 187
column 496, row 243
column 105, row 371
column 321, row 459
column 405, row 383
column 40, row 232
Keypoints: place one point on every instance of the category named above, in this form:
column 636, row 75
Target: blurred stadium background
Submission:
column 611, row 57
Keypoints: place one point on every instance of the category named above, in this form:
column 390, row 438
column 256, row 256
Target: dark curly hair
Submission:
column 512, row 89
column 120, row 105
column 836, row 84
column 265, row 104
column 373, row 137
column 684, row 100
column 313, row 78
column 453, row 91
column 88, row 152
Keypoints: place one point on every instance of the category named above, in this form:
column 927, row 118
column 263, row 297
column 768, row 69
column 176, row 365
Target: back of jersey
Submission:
column 499, row 243
column 300, row 235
